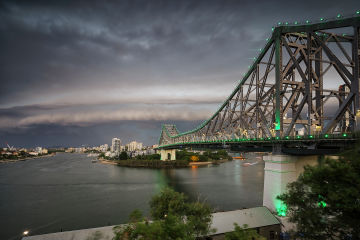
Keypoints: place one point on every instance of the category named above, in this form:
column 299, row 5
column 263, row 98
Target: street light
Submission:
column 26, row 233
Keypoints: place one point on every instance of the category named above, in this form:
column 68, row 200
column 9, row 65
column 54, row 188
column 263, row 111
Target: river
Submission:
column 68, row 191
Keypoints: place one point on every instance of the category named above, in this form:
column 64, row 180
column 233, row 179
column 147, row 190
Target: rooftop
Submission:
column 223, row 222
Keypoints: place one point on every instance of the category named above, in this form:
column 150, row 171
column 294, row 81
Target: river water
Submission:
column 68, row 191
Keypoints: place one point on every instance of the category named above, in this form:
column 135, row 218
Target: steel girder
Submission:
column 283, row 92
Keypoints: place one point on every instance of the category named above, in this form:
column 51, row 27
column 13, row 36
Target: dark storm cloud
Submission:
column 63, row 47
column 66, row 63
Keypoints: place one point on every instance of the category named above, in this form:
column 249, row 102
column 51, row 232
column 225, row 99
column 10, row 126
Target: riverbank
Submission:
column 25, row 159
column 153, row 163
column 156, row 164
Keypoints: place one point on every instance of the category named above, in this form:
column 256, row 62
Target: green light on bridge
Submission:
column 307, row 21
column 286, row 23
column 268, row 138
column 272, row 29
column 321, row 19
column 287, row 137
column 358, row 12
column 339, row 15
column 277, row 138
column 344, row 135
column 296, row 22
column 326, row 135
column 279, row 23
column 298, row 137
column 311, row 136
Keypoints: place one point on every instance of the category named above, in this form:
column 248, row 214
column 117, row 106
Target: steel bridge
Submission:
column 287, row 98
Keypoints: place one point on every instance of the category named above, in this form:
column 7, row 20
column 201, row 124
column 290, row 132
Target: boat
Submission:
column 239, row 158
column 249, row 164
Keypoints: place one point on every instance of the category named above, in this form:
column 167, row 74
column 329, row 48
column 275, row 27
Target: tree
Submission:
column 173, row 218
column 123, row 156
column 325, row 200
column 242, row 233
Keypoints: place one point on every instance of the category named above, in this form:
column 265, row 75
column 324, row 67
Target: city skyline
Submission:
column 76, row 73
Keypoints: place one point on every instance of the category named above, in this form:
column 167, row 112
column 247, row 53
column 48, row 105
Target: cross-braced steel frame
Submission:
column 283, row 91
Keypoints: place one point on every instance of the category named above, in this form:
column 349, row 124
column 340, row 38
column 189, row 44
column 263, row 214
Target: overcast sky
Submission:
column 82, row 72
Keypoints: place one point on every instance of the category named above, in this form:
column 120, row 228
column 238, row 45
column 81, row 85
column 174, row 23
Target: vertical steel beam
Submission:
column 308, row 83
column 278, row 85
column 257, row 102
column 356, row 70
column 319, row 91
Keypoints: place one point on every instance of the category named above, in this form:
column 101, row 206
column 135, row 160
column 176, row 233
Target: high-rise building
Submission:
column 133, row 146
column 104, row 148
column 115, row 145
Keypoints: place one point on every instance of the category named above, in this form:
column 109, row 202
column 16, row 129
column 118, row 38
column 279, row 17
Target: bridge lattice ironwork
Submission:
column 283, row 90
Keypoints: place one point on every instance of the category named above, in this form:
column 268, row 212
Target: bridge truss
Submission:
column 283, row 91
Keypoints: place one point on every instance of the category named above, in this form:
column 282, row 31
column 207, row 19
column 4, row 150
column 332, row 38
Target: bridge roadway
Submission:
column 308, row 144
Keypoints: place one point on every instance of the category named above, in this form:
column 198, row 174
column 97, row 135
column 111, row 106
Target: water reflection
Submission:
column 79, row 194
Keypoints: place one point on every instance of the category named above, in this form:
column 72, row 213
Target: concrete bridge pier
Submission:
column 167, row 154
column 281, row 169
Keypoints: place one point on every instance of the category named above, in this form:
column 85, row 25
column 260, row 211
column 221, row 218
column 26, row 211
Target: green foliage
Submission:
column 136, row 216
column 325, row 200
column 123, row 156
column 148, row 157
column 205, row 157
column 174, row 218
column 241, row 233
column 153, row 163
column 167, row 202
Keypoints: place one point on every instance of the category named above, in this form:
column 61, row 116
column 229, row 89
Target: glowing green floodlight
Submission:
column 268, row 138
column 326, row 135
column 286, row 23
column 307, row 21
column 296, row 22
column 311, row 136
column 321, row 19
column 277, row 138
column 344, row 135
column 279, row 23
column 322, row 204
column 267, row 39
column 358, row 12
column 298, row 137
column 281, row 209
column 339, row 15
column 287, row 137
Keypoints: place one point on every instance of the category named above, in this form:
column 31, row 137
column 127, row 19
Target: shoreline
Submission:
column 162, row 164
column 25, row 159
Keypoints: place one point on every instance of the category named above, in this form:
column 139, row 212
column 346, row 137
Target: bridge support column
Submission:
column 167, row 154
column 279, row 171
